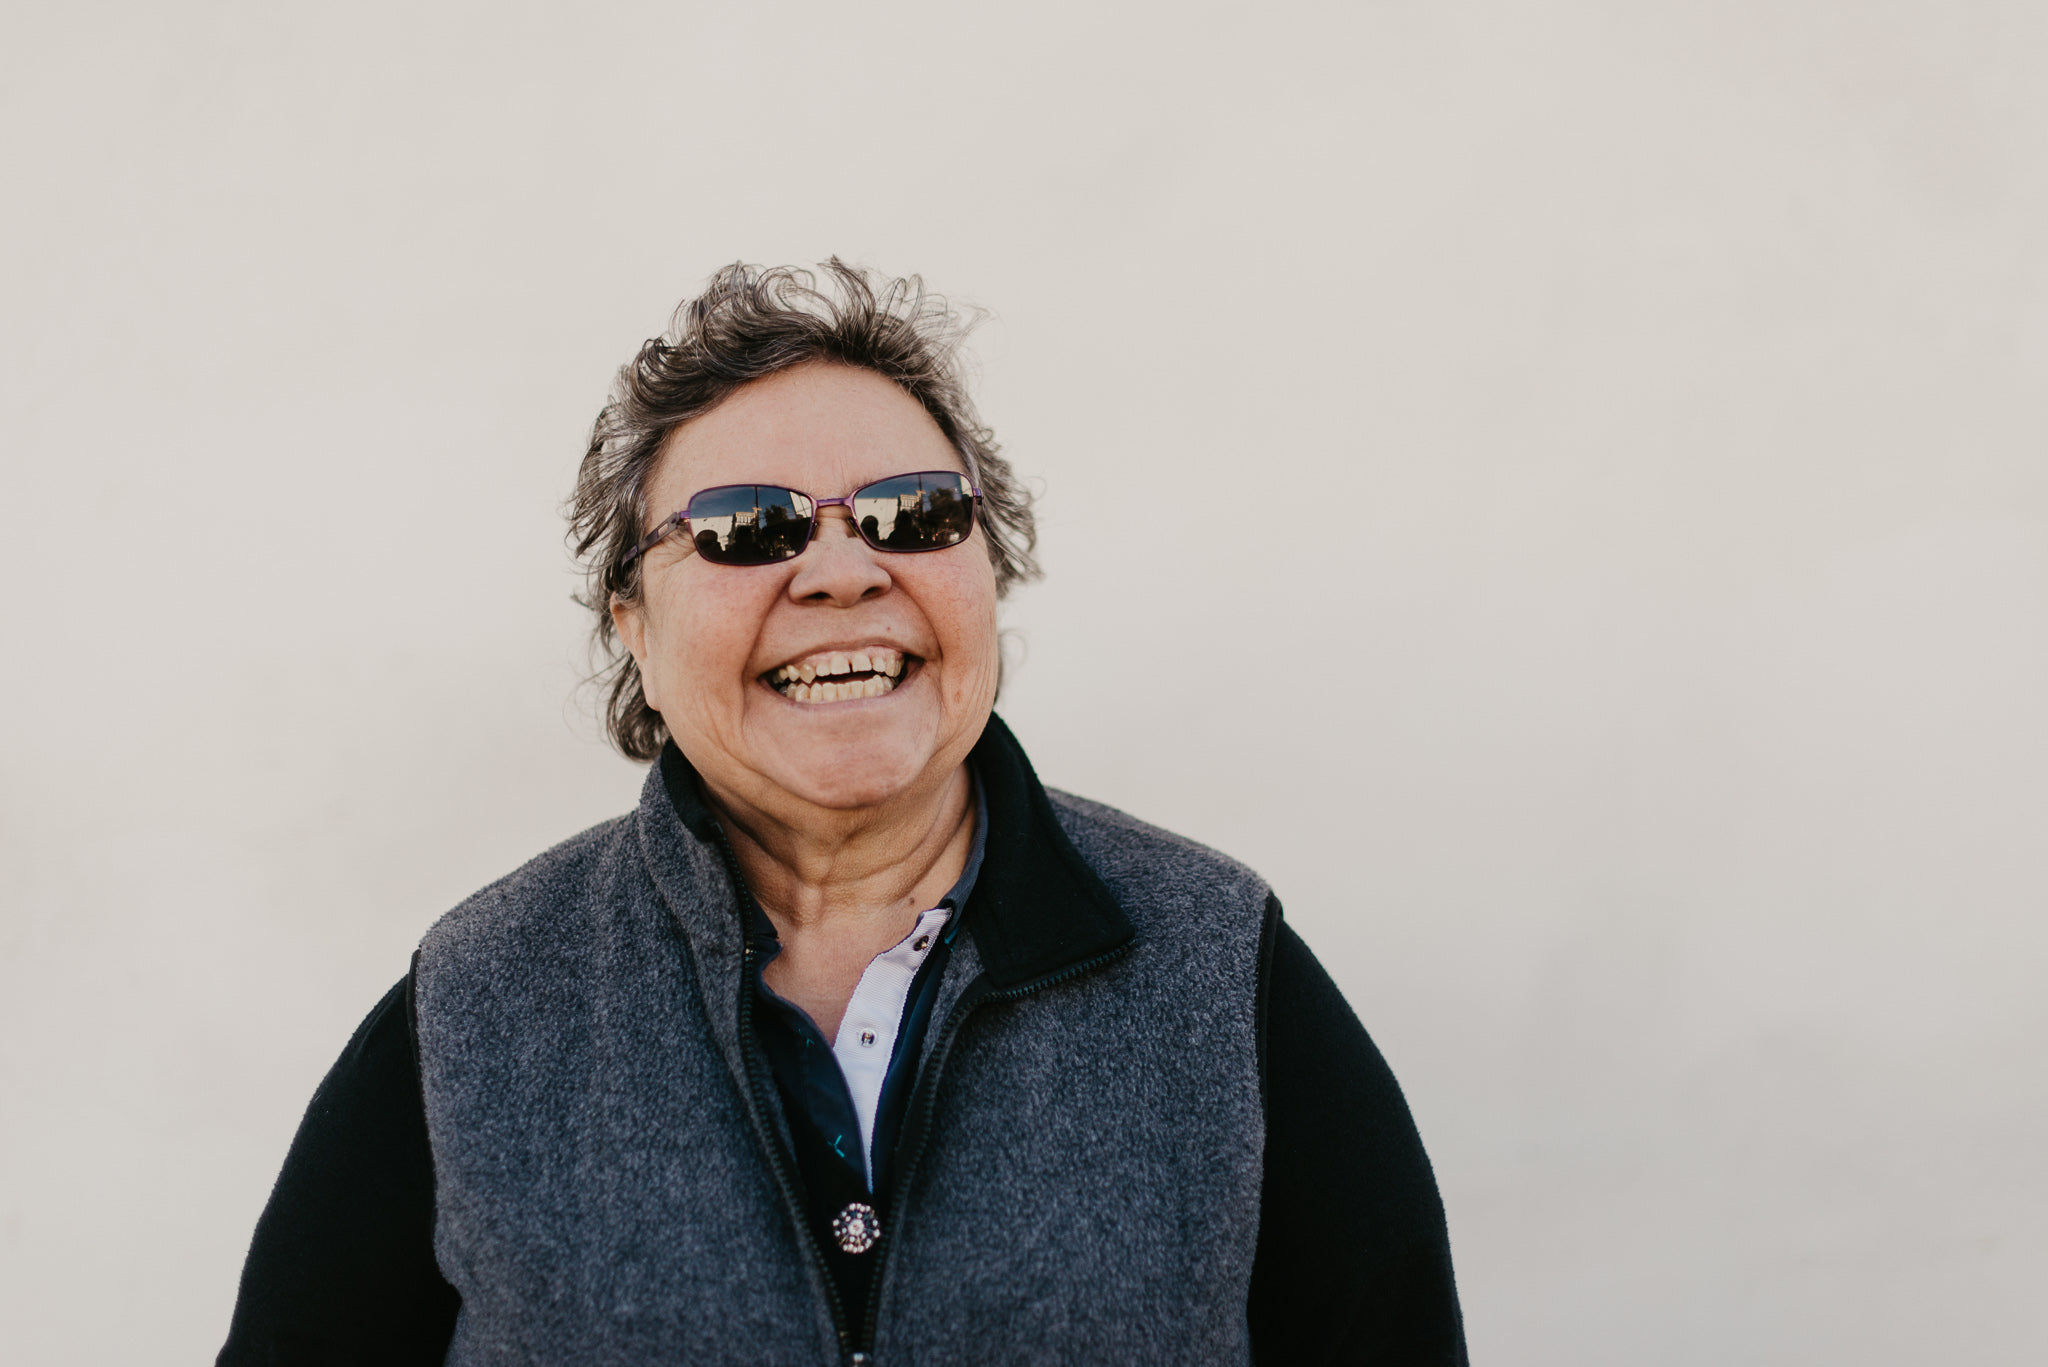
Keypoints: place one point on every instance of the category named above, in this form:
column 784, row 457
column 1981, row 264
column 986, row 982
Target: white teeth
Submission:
column 840, row 692
column 811, row 682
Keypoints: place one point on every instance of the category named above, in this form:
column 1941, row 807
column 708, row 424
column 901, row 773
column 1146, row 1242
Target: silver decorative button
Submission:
column 856, row 1228
column 867, row 1038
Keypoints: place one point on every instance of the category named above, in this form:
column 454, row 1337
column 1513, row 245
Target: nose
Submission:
column 838, row 568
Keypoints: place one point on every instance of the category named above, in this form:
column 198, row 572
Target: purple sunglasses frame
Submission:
column 666, row 528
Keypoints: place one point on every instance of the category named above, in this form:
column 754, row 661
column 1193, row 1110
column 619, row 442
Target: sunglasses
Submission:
column 763, row 524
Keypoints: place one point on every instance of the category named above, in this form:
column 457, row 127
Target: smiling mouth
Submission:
column 840, row 675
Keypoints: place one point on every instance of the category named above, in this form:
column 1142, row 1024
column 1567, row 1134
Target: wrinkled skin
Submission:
column 848, row 816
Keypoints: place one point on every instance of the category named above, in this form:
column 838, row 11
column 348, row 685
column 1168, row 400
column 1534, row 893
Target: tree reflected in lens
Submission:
column 920, row 512
column 749, row 524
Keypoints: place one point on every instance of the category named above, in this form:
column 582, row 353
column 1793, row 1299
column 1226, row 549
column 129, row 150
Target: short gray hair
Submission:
column 750, row 323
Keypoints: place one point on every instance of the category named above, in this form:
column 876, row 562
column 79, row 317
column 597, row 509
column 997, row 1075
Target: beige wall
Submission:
column 1644, row 722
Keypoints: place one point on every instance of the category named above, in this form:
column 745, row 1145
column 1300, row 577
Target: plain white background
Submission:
column 1633, row 687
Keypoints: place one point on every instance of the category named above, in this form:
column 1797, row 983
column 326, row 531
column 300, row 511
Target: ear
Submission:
column 631, row 624
column 632, row 628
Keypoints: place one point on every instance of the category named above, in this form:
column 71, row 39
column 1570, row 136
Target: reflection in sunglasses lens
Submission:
column 749, row 524
column 921, row 512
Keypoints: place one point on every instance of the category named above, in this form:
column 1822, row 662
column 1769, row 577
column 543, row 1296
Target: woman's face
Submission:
column 712, row 641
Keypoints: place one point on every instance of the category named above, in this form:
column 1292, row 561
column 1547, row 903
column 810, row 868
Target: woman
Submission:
column 853, row 1043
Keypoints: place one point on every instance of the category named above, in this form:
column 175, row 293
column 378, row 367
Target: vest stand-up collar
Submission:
column 1037, row 909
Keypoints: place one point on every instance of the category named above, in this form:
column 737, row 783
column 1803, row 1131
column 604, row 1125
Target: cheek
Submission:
column 975, row 645
column 697, row 637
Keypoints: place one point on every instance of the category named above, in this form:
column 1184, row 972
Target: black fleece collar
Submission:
column 1037, row 909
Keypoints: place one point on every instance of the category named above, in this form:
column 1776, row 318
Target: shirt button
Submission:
column 919, row 944
column 867, row 1039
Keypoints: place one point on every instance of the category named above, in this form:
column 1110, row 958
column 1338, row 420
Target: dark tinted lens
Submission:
column 749, row 524
column 921, row 512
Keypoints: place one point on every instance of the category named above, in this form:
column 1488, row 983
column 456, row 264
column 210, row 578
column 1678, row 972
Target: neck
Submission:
column 872, row 866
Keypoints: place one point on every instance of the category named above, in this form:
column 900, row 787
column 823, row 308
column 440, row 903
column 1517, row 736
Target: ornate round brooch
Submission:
column 856, row 1228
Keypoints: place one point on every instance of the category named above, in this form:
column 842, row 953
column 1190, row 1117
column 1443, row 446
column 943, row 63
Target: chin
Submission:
column 838, row 790
column 866, row 768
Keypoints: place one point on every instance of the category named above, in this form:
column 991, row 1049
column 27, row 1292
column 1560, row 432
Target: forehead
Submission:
column 824, row 429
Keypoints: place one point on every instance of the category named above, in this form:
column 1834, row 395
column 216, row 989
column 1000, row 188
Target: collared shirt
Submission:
column 852, row 1090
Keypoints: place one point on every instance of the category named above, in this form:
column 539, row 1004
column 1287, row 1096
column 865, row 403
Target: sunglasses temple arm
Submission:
column 662, row 531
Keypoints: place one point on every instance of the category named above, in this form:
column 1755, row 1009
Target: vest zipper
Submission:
column 917, row 1127
column 910, row 1144
column 778, row 1162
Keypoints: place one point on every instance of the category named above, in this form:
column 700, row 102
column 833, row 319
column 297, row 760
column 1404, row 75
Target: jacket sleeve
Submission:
column 341, row 1269
column 1353, row 1261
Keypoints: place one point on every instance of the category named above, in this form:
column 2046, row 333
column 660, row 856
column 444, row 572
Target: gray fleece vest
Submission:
column 612, row 1172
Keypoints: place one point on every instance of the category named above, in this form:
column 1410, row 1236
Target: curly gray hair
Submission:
column 750, row 323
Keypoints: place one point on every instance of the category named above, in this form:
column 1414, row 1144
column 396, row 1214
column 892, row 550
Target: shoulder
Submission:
column 1137, row 858
column 541, row 901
